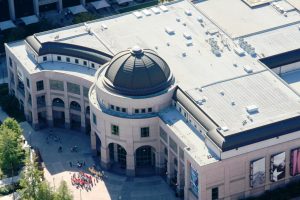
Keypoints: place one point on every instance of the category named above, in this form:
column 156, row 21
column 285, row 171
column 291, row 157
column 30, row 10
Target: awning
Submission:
column 100, row 4
column 77, row 9
column 123, row 1
column 7, row 25
column 30, row 19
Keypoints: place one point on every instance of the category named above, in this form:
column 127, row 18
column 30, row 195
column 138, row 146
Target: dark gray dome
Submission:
column 137, row 72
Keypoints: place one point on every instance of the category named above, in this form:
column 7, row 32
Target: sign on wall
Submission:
column 295, row 162
column 194, row 181
column 257, row 172
column 277, row 171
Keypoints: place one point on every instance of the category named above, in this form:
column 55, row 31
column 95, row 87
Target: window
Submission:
column 28, row 83
column 93, row 65
column 215, row 193
column 166, row 151
column 84, row 63
column 180, row 109
column 143, row 110
column 112, row 107
column 94, row 119
column 39, row 85
column 73, row 88
column 149, row 110
column 10, row 62
column 124, row 110
column 68, row 59
column 163, row 135
column 76, row 61
column 56, row 85
column 145, row 132
column 175, row 161
column 181, row 154
column 118, row 108
column 173, row 145
column 44, row 58
column 41, row 101
column 59, row 58
column 136, row 110
column 114, row 129
column 85, row 92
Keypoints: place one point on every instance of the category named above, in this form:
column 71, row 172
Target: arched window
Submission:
column 58, row 102
column 75, row 106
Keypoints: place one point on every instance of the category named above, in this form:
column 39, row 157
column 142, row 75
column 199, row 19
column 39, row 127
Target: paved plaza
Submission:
column 115, row 187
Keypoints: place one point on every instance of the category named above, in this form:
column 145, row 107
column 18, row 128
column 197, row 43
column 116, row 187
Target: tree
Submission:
column 63, row 192
column 11, row 152
column 83, row 17
column 31, row 182
column 13, row 125
column 45, row 192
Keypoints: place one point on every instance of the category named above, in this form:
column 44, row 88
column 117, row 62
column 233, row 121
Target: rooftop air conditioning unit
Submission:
column 252, row 109
column 169, row 31
column 163, row 8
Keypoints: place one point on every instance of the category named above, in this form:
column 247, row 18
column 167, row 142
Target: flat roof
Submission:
column 189, row 136
column 238, row 19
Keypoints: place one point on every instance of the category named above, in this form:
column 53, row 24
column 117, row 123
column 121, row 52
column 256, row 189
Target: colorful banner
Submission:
column 295, row 162
column 257, row 172
column 194, row 181
column 277, row 171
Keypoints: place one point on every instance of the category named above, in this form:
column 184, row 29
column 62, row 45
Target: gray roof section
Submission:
column 137, row 72
column 227, row 142
column 68, row 50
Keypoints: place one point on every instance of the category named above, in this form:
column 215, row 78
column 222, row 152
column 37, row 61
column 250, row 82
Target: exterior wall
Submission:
column 286, row 68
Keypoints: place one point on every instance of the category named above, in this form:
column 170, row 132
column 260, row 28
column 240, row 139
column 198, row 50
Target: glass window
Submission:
column 28, row 83
column 124, row 110
column 84, row 63
column 114, row 129
column 44, row 58
column 149, row 110
column 163, row 135
column 112, row 107
column 85, row 91
column 68, row 59
column 73, row 88
column 117, row 108
column 145, row 132
column 215, row 193
column 143, row 110
column 175, row 161
column 56, row 85
column 181, row 154
column 10, row 62
column 94, row 119
column 136, row 110
column 166, row 151
column 39, row 85
column 93, row 65
column 173, row 145
column 76, row 61
column 41, row 101
column 59, row 58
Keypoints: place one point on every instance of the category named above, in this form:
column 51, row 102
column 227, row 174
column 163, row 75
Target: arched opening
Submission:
column 98, row 146
column 145, row 160
column 87, row 120
column 58, row 113
column 117, row 155
column 75, row 117
column 57, row 102
column 75, row 106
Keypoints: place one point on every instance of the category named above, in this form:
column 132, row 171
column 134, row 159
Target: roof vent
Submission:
column 200, row 19
column 164, row 8
column 146, row 12
column 178, row 19
column 248, row 69
column 137, row 14
column 169, row 31
column 188, row 12
column 189, row 43
column 252, row 109
column 183, row 54
column 224, row 128
column 104, row 27
column 155, row 10
column 187, row 36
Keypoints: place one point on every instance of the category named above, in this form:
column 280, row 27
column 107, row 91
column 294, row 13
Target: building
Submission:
column 205, row 94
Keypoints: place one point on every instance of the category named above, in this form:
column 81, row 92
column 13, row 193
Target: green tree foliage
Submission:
column 30, row 182
column 45, row 192
column 83, row 17
column 13, row 125
column 63, row 192
column 11, row 152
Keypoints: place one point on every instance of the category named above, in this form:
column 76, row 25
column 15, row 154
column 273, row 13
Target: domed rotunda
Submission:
column 137, row 72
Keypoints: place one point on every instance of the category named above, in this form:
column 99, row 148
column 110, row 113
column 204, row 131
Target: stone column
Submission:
column 82, row 114
column 93, row 142
column 130, row 165
column 36, row 7
column 67, row 110
column 105, row 157
column 187, row 179
column 11, row 5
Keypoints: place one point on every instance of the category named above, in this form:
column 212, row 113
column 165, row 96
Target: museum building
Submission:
column 177, row 94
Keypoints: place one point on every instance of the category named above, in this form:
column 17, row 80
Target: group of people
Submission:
column 78, row 164
column 83, row 181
